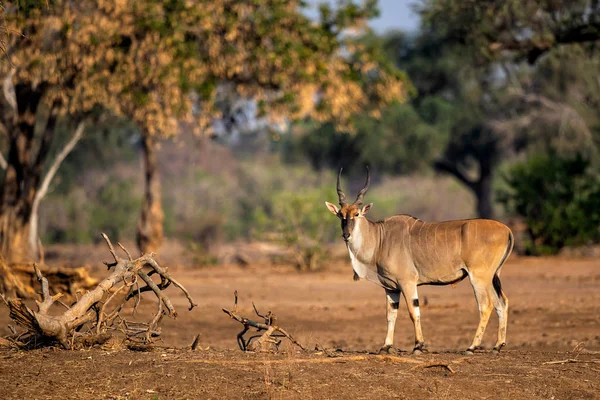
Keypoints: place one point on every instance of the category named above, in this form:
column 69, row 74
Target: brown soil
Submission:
column 554, row 306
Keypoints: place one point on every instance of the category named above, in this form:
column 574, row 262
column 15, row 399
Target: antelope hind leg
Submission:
column 501, row 305
column 484, row 302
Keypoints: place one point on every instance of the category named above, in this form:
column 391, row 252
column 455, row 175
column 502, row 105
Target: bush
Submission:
column 559, row 199
column 110, row 205
column 298, row 220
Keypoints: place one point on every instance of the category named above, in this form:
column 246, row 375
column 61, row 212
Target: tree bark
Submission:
column 481, row 187
column 150, row 224
column 23, row 172
column 483, row 192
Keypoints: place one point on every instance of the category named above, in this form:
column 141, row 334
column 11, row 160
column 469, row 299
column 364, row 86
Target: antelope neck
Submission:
column 365, row 240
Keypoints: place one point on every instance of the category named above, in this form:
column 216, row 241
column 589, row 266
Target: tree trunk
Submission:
column 481, row 187
column 483, row 192
column 22, row 174
column 14, row 230
column 150, row 224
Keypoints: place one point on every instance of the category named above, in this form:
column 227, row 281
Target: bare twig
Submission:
column 126, row 251
column 164, row 274
column 3, row 163
column 158, row 293
column 571, row 360
column 434, row 365
column 196, row 342
column 101, row 312
column 4, row 299
column 272, row 331
column 47, row 299
column 110, row 248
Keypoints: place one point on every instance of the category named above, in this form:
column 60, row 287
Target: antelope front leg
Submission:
column 412, row 302
column 392, row 303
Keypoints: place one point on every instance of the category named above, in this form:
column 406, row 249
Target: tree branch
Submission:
column 532, row 50
column 43, row 189
column 3, row 163
column 8, row 89
column 272, row 330
column 446, row 167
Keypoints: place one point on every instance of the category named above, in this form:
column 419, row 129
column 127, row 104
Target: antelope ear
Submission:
column 331, row 207
column 367, row 208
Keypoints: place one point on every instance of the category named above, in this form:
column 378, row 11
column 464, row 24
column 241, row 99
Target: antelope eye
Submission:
column 357, row 214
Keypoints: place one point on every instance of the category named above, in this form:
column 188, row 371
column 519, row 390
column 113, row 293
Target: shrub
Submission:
column 559, row 198
column 298, row 220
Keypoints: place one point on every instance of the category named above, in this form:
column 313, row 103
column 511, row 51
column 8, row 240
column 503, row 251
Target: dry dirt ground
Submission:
column 554, row 306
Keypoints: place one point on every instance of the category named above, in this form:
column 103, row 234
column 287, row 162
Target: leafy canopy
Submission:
column 524, row 29
column 161, row 62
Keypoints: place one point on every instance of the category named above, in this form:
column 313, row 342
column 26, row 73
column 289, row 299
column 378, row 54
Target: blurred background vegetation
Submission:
column 500, row 119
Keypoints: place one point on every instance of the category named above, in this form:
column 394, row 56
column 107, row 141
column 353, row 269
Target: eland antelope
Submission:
column 401, row 253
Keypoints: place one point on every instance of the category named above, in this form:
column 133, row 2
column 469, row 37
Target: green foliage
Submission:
column 79, row 214
column 298, row 221
column 103, row 142
column 559, row 199
column 513, row 28
column 399, row 142
column 116, row 211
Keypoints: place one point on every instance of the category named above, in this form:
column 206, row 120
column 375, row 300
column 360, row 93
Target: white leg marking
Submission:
column 393, row 301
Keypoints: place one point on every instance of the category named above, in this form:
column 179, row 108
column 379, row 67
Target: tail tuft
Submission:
column 497, row 286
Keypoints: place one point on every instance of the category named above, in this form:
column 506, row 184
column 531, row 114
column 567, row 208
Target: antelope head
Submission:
column 349, row 214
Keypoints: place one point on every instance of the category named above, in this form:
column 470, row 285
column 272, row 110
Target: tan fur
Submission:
column 349, row 211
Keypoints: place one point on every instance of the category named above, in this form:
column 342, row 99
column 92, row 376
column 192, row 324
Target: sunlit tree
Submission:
column 161, row 64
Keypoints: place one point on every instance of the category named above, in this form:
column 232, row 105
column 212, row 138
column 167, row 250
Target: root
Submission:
column 88, row 318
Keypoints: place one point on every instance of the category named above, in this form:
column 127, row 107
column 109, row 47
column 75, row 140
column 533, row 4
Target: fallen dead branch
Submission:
column 89, row 315
column 268, row 339
column 433, row 365
column 571, row 360
column 328, row 360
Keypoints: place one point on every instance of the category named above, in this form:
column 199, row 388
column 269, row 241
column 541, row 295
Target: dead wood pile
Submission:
column 89, row 318
column 19, row 280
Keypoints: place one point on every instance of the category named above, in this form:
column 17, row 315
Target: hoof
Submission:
column 388, row 350
column 496, row 349
column 420, row 348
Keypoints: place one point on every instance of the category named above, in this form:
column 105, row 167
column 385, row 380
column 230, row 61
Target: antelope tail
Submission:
column 496, row 280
